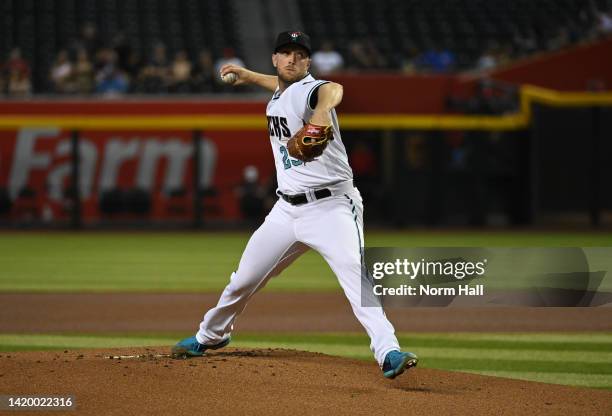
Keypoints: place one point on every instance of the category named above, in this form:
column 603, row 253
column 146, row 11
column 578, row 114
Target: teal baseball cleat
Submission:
column 190, row 347
column 396, row 362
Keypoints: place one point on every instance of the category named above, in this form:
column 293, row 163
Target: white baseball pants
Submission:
column 332, row 226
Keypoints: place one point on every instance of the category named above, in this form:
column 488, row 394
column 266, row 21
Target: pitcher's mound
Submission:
column 273, row 381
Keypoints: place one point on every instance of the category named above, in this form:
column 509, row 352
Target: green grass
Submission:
column 164, row 262
column 580, row 359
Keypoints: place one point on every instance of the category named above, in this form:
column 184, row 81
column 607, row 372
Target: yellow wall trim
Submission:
column 516, row 121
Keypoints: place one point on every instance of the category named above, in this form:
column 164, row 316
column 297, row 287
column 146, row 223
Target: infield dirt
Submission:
column 275, row 382
column 272, row 381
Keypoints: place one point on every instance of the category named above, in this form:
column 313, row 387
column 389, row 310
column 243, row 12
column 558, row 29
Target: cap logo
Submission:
column 294, row 35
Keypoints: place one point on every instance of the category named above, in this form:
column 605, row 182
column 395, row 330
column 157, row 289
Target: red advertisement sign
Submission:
column 159, row 162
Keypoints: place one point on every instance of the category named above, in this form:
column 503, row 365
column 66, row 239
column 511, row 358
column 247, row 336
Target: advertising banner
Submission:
column 157, row 162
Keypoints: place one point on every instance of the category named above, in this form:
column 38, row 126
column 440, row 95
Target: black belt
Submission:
column 300, row 199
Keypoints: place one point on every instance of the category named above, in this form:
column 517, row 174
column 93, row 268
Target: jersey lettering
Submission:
column 278, row 127
column 285, row 127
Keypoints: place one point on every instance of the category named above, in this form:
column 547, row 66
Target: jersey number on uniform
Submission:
column 287, row 161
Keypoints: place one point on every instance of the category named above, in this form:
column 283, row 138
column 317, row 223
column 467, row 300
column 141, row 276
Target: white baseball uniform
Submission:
column 333, row 225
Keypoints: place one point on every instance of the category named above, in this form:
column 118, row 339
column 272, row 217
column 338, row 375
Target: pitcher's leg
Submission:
column 273, row 243
column 336, row 232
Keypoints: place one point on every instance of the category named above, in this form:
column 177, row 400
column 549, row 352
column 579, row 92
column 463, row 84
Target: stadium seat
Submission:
column 42, row 28
column 395, row 27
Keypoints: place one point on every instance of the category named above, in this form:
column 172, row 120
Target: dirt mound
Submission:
column 273, row 381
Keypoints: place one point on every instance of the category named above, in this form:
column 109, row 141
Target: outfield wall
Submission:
column 158, row 162
column 163, row 160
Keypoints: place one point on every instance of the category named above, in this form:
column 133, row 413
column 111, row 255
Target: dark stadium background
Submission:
column 67, row 62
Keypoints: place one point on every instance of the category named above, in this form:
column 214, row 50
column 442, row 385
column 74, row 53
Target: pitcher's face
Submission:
column 292, row 63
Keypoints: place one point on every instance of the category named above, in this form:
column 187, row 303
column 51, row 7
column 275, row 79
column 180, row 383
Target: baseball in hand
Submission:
column 229, row 78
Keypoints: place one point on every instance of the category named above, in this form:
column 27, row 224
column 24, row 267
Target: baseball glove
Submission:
column 310, row 142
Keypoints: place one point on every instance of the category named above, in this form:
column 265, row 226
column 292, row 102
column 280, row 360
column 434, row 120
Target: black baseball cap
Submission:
column 293, row 37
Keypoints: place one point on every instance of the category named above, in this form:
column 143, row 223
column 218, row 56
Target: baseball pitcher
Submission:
column 318, row 205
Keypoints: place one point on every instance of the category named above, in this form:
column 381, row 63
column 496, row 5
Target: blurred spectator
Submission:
column 365, row 55
column 229, row 57
column 112, row 83
column 133, row 65
column 437, row 59
column 17, row 63
column 504, row 54
column 61, row 73
column 19, row 84
column 123, row 49
column 203, row 77
column 17, row 74
column 604, row 22
column 526, row 43
column 83, row 73
column 155, row 75
column 110, row 80
column 408, row 61
column 559, row 41
column 327, row 60
column 180, row 73
column 377, row 57
column 357, row 56
column 89, row 39
column 488, row 59
column 251, row 195
column 106, row 61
